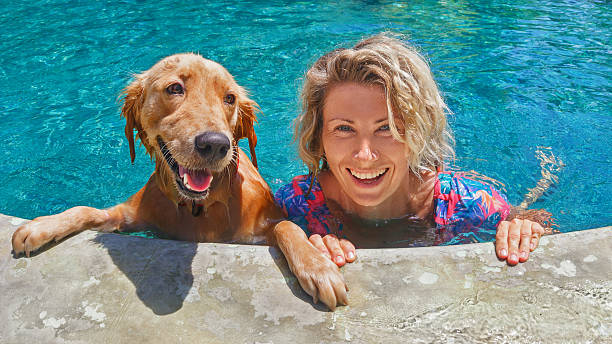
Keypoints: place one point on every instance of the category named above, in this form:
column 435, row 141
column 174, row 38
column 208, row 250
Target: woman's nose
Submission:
column 366, row 151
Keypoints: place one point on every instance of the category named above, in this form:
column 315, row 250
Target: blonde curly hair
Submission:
column 410, row 91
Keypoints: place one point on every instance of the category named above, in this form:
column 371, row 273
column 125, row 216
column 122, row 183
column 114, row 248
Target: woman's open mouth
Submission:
column 368, row 178
column 192, row 184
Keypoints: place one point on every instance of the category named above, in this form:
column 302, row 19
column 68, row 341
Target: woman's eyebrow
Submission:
column 341, row 119
column 351, row 121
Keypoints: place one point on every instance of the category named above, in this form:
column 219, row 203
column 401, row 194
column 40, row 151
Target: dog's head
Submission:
column 189, row 113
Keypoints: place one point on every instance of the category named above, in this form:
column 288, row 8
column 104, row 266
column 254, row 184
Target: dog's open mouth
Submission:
column 196, row 181
column 192, row 184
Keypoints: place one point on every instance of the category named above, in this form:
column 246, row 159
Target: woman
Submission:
column 374, row 136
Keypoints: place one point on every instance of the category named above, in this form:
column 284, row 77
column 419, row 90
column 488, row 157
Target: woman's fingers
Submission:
column 536, row 233
column 317, row 241
column 501, row 240
column 349, row 250
column 533, row 243
column 514, row 238
column 525, row 241
column 340, row 251
column 333, row 246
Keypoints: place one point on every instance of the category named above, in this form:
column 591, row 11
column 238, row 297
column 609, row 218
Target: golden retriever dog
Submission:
column 189, row 114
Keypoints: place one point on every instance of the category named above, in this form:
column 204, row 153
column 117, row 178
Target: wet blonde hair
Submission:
column 410, row 91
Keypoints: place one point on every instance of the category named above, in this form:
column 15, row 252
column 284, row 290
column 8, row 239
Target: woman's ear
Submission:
column 133, row 100
column 247, row 110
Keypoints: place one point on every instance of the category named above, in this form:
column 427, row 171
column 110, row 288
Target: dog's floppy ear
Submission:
column 133, row 98
column 247, row 110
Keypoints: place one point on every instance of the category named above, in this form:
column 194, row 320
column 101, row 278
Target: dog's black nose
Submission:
column 212, row 145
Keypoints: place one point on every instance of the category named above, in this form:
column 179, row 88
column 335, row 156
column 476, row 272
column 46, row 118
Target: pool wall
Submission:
column 110, row 288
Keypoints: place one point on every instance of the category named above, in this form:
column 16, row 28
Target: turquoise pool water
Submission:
column 517, row 75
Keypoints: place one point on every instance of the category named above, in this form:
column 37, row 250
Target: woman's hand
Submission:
column 515, row 239
column 340, row 251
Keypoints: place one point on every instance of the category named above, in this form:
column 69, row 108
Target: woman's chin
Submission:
column 367, row 200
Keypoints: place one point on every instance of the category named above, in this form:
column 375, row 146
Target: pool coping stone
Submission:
column 111, row 288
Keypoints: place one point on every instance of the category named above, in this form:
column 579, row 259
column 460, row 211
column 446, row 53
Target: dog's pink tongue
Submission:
column 198, row 180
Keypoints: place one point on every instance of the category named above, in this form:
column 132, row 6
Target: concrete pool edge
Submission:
column 98, row 288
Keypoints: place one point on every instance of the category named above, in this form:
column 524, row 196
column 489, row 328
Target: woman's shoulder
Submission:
column 298, row 186
column 466, row 184
column 298, row 194
column 303, row 202
column 471, row 196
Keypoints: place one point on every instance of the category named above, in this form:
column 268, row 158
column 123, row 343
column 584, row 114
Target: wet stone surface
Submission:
column 109, row 288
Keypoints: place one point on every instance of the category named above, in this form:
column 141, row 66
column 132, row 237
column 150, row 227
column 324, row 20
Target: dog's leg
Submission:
column 317, row 274
column 34, row 234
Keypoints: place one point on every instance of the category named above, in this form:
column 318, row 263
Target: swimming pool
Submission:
column 516, row 74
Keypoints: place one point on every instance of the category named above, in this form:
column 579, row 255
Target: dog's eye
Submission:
column 175, row 88
column 230, row 99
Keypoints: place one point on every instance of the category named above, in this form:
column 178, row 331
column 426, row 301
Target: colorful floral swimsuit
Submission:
column 466, row 208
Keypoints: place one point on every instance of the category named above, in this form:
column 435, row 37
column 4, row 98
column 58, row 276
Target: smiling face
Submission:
column 368, row 164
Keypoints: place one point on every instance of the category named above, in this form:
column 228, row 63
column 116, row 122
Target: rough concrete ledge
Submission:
column 109, row 288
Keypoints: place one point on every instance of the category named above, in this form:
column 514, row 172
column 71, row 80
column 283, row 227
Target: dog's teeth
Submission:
column 186, row 181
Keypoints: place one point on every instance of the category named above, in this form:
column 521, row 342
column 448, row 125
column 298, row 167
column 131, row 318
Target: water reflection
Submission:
column 517, row 75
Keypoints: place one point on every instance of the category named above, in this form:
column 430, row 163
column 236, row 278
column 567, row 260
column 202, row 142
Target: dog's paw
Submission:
column 31, row 236
column 321, row 279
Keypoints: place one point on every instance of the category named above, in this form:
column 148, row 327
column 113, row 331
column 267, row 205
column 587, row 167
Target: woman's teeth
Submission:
column 369, row 174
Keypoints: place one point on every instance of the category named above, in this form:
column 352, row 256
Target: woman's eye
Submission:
column 229, row 99
column 344, row 128
column 175, row 88
column 384, row 128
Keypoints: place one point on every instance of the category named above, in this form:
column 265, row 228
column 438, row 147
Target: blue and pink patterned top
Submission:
column 465, row 207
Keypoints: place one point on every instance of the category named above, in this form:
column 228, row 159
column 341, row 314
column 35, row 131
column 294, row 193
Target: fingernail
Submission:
column 513, row 258
column 523, row 255
column 503, row 252
column 532, row 246
column 350, row 255
column 339, row 259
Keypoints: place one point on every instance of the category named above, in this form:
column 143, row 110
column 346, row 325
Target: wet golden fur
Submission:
column 238, row 207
